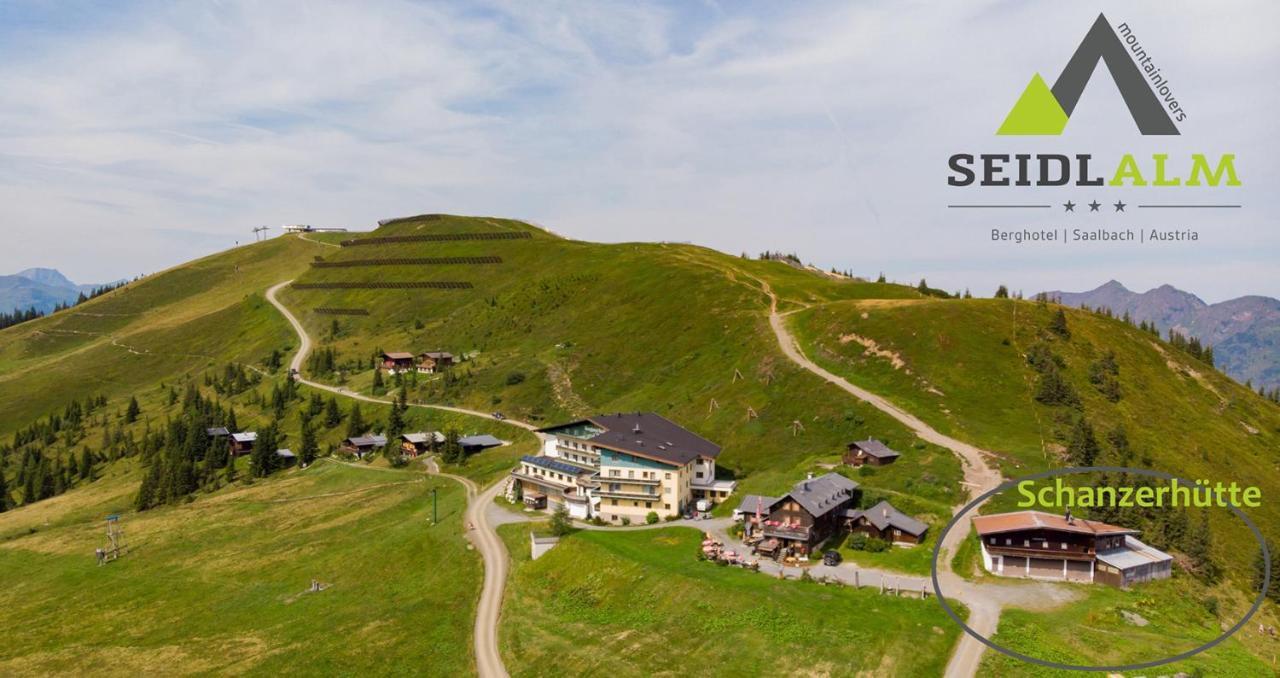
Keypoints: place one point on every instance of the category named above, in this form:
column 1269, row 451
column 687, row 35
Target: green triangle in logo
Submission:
column 1036, row 113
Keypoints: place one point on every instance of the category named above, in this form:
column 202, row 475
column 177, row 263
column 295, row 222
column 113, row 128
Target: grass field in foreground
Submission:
column 638, row 603
column 1093, row 631
column 218, row 585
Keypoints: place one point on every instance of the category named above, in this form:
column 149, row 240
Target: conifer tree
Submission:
column 131, row 414
column 1199, row 547
column 1082, row 448
column 1058, row 324
column 1002, row 292
column 5, row 500
column 86, row 464
column 263, row 457
column 355, row 423
column 309, row 446
column 332, row 415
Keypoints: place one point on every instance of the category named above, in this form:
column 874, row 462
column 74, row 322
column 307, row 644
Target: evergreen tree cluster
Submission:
column 234, row 380
column 322, row 361
column 1052, row 387
column 181, row 457
column 1104, row 374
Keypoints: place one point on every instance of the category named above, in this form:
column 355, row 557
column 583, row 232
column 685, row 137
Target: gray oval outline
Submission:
column 1012, row 483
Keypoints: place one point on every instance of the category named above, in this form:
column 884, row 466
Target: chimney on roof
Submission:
column 636, row 429
column 885, row 511
column 1070, row 520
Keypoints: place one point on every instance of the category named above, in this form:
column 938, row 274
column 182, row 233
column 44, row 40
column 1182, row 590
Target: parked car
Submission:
column 832, row 558
column 499, row 416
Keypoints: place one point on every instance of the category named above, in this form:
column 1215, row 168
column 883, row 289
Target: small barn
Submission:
column 242, row 443
column 364, row 445
column 870, row 451
column 885, row 522
column 478, row 443
column 217, row 432
column 287, row 457
column 414, row 444
column 395, row 362
column 434, row 361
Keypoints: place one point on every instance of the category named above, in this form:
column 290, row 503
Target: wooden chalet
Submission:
column 885, row 522
column 870, row 451
column 1042, row 545
column 478, row 443
column 434, row 361
column 394, row 362
column 287, row 457
column 414, row 444
column 797, row 522
column 242, row 443
column 364, row 445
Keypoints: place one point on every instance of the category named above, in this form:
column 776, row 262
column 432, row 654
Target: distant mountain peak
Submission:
column 47, row 276
column 1244, row 332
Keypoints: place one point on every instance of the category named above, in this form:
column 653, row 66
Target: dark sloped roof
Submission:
column 753, row 501
column 217, row 431
column 651, row 435
column 884, row 515
column 875, row 448
column 484, row 440
column 821, row 495
column 397, row 355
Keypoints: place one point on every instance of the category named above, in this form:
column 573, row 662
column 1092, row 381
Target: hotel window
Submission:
column 1064, row 546
column 1026, row 543
column 993, row 540
column 648, row 504
column 667, row 506
column 668, row 476
column 613, row 502
column 631, row 474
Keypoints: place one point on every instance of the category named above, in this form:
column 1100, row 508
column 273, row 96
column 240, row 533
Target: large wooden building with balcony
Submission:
column 1042, row 545
column 643, row 462
column 797, row 522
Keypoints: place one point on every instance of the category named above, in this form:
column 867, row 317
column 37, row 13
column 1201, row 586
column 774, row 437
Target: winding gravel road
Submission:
column 479, row 531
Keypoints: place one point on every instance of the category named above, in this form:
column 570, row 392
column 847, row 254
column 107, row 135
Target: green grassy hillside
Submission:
column 562, row 328
column 219, row 584
column 181, row 321
column 638, row 604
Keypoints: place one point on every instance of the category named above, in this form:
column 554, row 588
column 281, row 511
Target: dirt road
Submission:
column 492, row 551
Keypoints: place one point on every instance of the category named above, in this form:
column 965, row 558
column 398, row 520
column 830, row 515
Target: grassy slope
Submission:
column 637, row 604
column 598, row 328
column 960, row 374
column 217, row 584
column 179, row 321
column 1100, row 635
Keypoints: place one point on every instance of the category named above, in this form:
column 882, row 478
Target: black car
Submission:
column 832, row 558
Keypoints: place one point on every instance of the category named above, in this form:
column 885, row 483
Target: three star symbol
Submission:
column 1069, row 206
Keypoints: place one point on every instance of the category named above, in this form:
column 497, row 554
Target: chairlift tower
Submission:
column 115, row 539
column 260, row 232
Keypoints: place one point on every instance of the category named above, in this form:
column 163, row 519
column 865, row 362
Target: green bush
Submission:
column 626, row 520
column 875, row 545
column 515, row 378
column 858, row 541
column 651, row 518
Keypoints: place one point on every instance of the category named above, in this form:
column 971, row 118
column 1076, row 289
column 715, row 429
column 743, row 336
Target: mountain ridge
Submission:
column 41, row 288
column 1244, row 332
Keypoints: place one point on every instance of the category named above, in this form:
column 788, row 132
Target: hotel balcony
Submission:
column 799, row 533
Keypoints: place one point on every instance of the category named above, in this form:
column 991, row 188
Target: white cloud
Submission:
column 822, row 129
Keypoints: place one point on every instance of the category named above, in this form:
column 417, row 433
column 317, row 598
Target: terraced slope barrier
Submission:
column 407, row 261
column 340, row 311
column 385, row 285
column 438, row 237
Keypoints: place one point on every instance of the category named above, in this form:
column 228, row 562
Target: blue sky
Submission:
column 158, row 132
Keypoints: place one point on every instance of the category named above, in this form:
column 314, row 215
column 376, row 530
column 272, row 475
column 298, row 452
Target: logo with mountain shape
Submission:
column 1042, row 111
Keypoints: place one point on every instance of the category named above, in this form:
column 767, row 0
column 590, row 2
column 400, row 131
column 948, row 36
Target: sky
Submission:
column 138, row 135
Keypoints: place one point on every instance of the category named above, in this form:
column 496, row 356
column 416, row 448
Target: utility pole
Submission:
column 434, row 519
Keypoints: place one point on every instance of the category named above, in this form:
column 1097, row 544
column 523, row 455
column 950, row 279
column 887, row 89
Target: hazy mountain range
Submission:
column 43, row 288
column 1244, row 332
